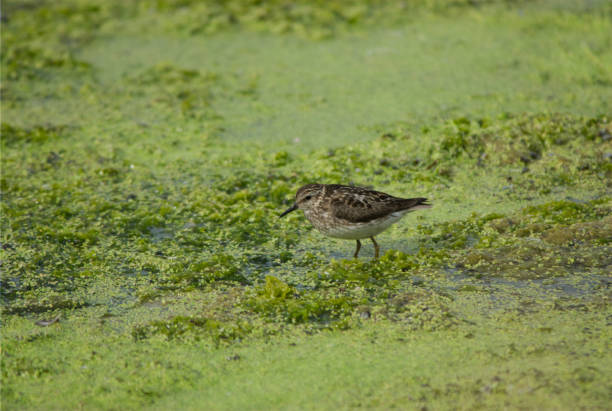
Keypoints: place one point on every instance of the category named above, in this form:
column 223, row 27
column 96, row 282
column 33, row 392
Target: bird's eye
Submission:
column 308, row 197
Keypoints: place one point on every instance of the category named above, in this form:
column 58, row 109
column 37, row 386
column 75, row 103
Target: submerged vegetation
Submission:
column 140, row 202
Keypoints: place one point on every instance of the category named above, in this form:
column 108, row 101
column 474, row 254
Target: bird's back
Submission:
column 361, row 205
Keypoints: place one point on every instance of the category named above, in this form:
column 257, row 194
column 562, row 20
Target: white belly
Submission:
column 363, row 230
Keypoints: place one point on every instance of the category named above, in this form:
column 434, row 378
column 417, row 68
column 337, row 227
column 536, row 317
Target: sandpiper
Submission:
column 350, row 212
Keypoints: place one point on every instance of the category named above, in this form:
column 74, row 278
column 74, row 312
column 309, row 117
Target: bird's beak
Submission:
column 293, row 208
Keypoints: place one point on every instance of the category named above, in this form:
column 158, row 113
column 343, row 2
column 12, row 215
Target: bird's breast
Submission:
column 339, row 228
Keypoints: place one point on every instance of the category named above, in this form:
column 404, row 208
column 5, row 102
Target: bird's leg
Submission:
column 376, row 247
column 357, row 250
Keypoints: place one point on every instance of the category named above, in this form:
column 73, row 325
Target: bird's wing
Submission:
column 361, row 206
column 359, row 211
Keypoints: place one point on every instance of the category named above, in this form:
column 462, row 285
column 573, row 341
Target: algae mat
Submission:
column 148, row 148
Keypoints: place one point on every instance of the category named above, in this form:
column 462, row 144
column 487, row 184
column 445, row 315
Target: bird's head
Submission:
column 305, row 198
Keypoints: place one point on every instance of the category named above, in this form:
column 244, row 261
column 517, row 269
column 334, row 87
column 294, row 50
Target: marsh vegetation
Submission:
column 149, row 146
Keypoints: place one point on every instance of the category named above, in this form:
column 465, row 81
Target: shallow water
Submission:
column 145, row 162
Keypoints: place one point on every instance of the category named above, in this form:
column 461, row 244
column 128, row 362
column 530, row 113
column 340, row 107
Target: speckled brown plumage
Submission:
column 352, row 212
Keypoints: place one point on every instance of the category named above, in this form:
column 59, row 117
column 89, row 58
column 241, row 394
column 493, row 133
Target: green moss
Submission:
column 530, row 229
column 567, row 212
column 183, row 326
column 420, row 309
column 596, row 232
column 221, row 267
column 275, row 289
column 460, row 139
column 140, row 202
column 317, row 21
column 43, row 301
column 36, row 135
column 537, row 260
column 167, row 74
column 27, row 62
column 277, row 300
column 511, row 246
column 459, row 234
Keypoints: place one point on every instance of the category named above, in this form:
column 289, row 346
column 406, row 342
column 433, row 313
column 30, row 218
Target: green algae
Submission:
column 140, row 199
column 176, row 241
column 385, row 69
column 37, row 134
column 180, row 326
column 482, row 366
